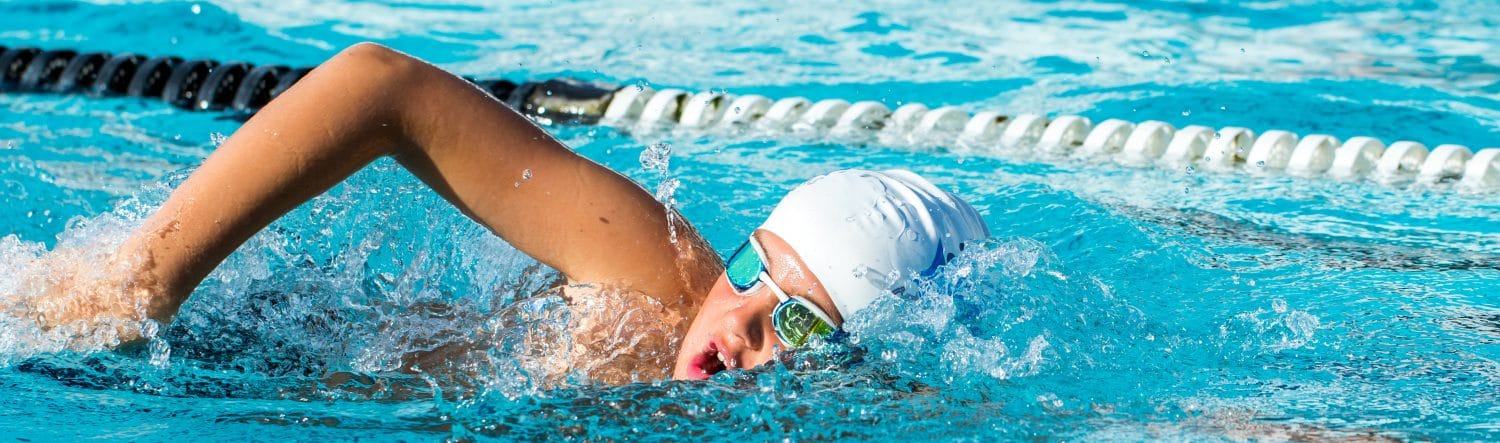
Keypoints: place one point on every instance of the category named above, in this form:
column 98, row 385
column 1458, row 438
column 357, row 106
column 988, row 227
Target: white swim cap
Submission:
column 862, row 233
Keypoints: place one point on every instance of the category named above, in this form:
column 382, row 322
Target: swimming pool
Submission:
column 1113, row 304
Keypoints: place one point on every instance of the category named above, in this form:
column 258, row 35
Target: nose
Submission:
column 750, row 322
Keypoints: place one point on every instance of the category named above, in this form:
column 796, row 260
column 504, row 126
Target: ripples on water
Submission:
column 1113, row 304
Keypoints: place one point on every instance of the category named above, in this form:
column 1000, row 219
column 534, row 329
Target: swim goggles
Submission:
column 796, row 320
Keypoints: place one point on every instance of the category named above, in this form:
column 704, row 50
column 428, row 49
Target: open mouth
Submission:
column 711, row 361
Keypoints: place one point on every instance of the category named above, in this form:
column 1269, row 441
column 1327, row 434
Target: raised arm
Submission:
column 591, row 223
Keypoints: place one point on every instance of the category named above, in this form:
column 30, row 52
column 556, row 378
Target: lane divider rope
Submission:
column 237, row 87
column 1143, row 144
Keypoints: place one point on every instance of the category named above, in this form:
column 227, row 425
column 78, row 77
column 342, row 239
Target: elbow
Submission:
column 370, row 52
column 379, row 63
column 383, row 83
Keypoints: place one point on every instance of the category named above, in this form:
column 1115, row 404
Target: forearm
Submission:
column 319, row 132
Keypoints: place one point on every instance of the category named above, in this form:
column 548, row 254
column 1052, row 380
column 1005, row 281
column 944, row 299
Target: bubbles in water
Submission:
column 1279, row 329
column 217, row 138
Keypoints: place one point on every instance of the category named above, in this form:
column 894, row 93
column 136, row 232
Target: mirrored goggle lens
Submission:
column 796, row 324
column 744, row 267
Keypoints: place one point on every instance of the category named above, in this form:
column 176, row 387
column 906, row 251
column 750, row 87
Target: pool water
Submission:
column 1112, row 303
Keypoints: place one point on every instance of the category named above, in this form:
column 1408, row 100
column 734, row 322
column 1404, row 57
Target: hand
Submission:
column 83, row 300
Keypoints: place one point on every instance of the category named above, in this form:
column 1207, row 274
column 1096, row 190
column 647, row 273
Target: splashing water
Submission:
column 80, row 268
column 354, row 322
column 1118, row 305
column 657, row 158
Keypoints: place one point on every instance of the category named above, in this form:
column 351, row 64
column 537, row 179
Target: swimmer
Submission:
column 830, row 248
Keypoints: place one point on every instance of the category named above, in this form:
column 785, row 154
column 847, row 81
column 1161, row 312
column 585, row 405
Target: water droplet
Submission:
column 1217, row 135
column 1242, row 50
column 859, row 272
column 1187, row 112
column 526, row 174
column 1191, row 170
column 1167, row 60
column 518, row 185
column 656, row 157
column 1260, row 164
column 197, row 9
column 1223, row 108
column 1145, row 53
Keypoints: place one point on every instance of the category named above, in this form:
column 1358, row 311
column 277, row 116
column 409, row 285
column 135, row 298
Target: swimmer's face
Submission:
column 733, row 331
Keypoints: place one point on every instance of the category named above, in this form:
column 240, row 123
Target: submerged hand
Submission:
column 87, row 300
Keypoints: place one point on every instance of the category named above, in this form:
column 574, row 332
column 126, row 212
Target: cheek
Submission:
column 719, row 300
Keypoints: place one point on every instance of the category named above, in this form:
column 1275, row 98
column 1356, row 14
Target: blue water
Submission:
column 1113, row 304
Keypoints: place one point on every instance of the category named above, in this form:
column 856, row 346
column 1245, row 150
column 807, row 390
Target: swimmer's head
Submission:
column 839, row 241
column 863, row 233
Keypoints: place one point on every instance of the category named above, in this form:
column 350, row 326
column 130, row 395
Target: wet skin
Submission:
column 734, row 331
column 370, row 102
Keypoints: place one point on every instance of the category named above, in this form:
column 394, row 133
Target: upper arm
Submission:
column 589, row 222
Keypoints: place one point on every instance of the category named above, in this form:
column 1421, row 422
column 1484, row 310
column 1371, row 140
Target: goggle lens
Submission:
column 795, row 324
column 744, row 268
